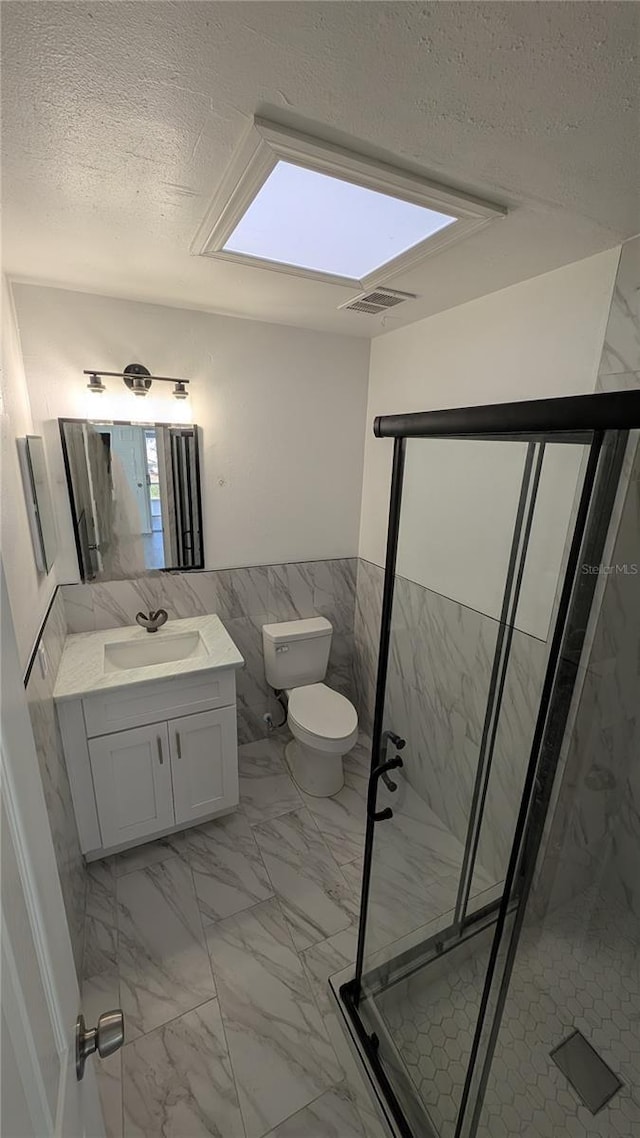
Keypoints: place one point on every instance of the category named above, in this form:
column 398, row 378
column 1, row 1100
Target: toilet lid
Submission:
column 322, row 711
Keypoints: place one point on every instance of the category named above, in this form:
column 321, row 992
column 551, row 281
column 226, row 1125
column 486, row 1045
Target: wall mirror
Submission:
column 38, row 499
column 134, row 490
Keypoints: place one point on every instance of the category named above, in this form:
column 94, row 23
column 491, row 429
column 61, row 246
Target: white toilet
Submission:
column 323, row 723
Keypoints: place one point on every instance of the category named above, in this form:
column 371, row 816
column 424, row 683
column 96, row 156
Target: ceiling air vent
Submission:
column 376, row 301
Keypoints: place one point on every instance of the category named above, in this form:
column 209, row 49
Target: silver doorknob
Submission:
column 106, row 1038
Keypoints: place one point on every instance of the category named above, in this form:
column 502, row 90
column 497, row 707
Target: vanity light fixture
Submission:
column 139, row 387
column 138, row 379
column 95, row 383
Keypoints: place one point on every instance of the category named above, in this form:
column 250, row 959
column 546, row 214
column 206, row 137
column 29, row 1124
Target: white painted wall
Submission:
column 30, row 591
column 458, row 541
column 282, row 412
column 537, row 339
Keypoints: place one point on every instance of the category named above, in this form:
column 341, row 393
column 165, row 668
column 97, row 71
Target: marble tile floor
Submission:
column 579, row 969
column 218, row 942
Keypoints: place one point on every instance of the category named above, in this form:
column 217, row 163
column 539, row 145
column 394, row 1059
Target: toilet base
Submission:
column 315, row 772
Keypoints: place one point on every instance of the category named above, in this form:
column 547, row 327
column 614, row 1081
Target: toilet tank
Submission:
column 296, row 652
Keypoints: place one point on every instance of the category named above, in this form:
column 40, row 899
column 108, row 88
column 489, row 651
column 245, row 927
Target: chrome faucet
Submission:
column 153, row 621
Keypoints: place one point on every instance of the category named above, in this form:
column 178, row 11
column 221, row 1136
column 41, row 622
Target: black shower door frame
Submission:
column 601, row 422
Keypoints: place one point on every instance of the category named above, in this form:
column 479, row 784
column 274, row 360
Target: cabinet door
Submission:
column 204, row 763
column 132, row 782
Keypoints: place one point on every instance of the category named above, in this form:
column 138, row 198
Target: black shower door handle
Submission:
column 381, row 772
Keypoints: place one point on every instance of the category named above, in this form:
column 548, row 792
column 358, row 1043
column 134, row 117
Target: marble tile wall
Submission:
column 616, row 661
column 244, row 599
column 437, row 688
column 57, row 793
column 594, row 833
column 621, row 351
column 366, row 637
column 594, row 838
column 615, row 656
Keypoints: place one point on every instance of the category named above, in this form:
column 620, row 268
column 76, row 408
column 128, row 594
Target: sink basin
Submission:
column 123, row 655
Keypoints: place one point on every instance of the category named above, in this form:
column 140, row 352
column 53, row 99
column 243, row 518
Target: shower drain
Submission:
column 589, row 1075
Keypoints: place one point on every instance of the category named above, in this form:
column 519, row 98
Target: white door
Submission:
column 130, row 446
column 204, row 763
column 40, row 999
column 132, row 783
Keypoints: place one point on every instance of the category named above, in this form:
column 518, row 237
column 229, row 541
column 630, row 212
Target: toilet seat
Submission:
column 322, row 718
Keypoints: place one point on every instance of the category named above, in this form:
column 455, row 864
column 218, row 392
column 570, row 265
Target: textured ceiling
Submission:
column 119, row 119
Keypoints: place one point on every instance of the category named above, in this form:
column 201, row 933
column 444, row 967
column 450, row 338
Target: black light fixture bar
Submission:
column 130, row 375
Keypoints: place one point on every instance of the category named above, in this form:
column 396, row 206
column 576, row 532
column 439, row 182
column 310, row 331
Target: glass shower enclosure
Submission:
column 478, row 1002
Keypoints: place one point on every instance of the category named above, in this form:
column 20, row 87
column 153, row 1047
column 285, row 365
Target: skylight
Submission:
column 309, row 220
column 296, row 204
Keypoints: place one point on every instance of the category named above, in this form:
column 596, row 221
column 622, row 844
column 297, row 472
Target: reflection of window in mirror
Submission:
column 156, row 545
column 134, row 491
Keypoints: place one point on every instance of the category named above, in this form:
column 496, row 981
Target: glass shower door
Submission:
column 472, row 603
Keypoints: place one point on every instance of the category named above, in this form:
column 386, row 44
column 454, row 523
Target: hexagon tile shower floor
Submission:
column 577, row 969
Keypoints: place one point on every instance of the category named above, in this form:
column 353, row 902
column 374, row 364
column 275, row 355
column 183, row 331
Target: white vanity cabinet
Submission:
column 149, row 730
column 163, row 773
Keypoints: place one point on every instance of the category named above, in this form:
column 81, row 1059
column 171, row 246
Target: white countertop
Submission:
column 82, row 667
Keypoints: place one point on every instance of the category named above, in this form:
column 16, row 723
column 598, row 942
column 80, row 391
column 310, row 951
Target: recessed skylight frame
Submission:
column 268, row 144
